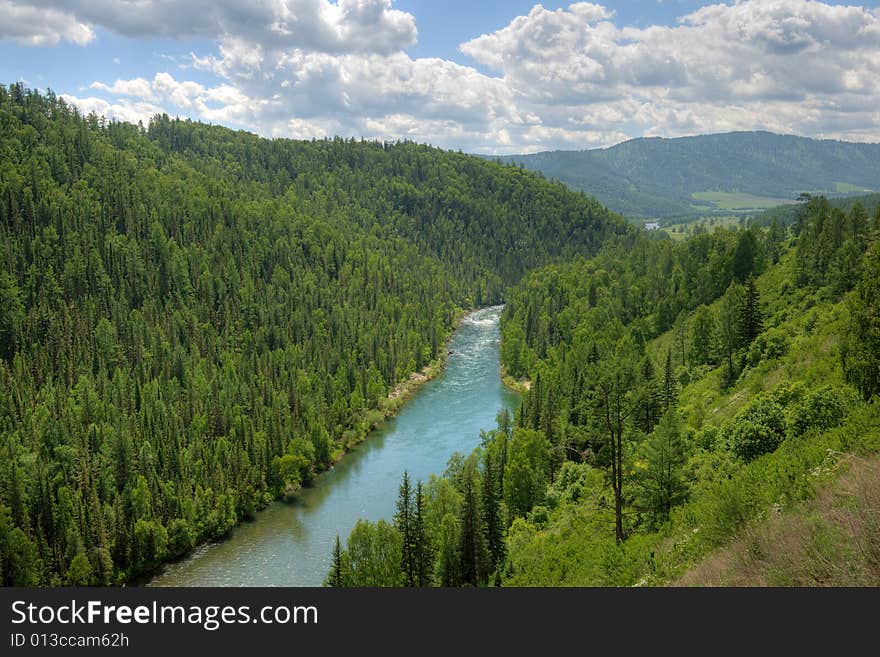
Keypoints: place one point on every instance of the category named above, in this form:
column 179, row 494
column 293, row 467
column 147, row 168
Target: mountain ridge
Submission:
column 715, row 174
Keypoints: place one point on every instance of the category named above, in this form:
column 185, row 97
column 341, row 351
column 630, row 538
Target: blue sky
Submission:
column 483, row 76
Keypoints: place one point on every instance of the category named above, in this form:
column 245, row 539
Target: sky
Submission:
column 482, row 76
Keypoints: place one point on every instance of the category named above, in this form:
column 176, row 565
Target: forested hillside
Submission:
column 711, row 174
column 194, row 321
column 679, row 395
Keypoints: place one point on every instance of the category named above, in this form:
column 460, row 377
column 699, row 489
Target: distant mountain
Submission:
column 728, row 173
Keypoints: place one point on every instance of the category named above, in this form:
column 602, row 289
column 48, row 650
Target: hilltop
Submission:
column 737, row 172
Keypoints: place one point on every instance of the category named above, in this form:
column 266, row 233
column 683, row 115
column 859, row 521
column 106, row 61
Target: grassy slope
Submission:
column 830, row 540
column 573, row 544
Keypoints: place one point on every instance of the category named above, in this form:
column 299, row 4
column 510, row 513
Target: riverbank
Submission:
column 397, row 397
column 517, row 385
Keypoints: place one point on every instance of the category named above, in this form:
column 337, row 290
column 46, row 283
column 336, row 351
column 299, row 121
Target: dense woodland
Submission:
column 194, row 321
column 677, row 392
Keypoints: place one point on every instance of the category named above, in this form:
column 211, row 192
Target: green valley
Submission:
column 689, row 403
column 196, row 321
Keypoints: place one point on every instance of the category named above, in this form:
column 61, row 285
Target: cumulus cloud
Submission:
column 121, row 110
column 785, row 65
column 30, row 25
column 341, row 26
column 566, row 78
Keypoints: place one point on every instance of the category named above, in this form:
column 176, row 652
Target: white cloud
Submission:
column 32, row 26
column 569, row 78
column 341, row 26
column 121, row 110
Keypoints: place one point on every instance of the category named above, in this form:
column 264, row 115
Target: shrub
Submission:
column 757, row 429
column 821, row 409
column 776, row 344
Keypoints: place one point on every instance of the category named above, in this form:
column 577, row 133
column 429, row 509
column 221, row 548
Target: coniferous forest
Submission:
column 195, row 321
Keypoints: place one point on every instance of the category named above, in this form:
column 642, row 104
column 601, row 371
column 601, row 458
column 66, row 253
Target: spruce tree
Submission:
column 336, row 577
column 422, row 549
column 703, row 331
column 669, row 393
column 662, row 483
column 472, row 556
column 649, row 401
column 751, row 322
column 403, row 522
column 492, row 514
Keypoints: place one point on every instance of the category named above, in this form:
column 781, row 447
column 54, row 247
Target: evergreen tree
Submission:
column 662, row 484
column 492, row 519
column 669, row 392
column 744, row 256
column 650, row 398
column 703, row 329
column 337, row 576
column 751, row 321
column 422, row 549
column 403, row 523
column 728, row 322
column 617, row 399
column 472, row 555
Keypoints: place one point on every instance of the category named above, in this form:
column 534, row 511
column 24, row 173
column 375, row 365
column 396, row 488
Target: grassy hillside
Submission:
column 830, row 539
column 746, row 458
column 711, row 174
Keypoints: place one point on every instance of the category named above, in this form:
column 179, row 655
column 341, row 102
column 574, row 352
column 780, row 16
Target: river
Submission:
column 289, row 543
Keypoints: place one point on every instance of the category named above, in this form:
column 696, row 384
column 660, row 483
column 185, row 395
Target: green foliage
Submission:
column 80, row 571
column 373, row 556
column 405, row 525
column 820, row 409
column 339, row 573
column 661, row 480
column 195, row 320
column 528, row 470
column 861, row 351
column 762, row 405
column 757, row 429
column 831, row 245
column 703, row 332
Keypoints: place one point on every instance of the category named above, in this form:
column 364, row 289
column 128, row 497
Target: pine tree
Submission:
column 336, row 578
column 471, row 547
column 616, row 401
column 669, row 392
column 729, row 314
column 751, row 322
column 423, row 553
column 505, row 431
column 492, row 514
column 650, row 397
column 744, row 256
column 662, row 484
column 403, row 522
